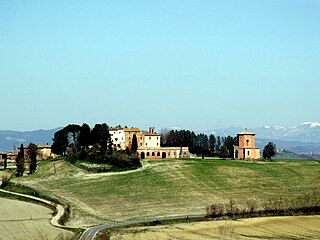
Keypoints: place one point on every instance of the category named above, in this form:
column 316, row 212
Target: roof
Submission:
column 146, row 133
column 115, row 129
column 246, row 132
column 44, row 146
column 132, row 130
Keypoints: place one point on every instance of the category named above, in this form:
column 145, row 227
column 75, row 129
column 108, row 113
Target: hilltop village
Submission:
column 148, row 144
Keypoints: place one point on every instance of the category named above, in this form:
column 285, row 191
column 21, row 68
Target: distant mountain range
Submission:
column 302, row 138
column 12, row 139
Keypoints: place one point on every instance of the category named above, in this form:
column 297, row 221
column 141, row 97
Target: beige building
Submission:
column 246, row 148
column 148, row 143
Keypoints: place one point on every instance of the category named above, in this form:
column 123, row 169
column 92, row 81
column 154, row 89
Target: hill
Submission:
column 170, row 187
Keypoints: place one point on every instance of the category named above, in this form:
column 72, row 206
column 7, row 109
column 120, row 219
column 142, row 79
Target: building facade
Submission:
column 148, row 143
column 246, row 146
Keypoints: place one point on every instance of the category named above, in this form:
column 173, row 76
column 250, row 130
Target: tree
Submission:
column 229, row 143
column 223, row 152
column 73, row 130
column 60, row 142
column 84, row 136
column 218, row 145
column 134, row 144
column 100, row 135
column 20, row 161
column 269, row 151
column 203, row 144
column 212, row 143
column 32, row 153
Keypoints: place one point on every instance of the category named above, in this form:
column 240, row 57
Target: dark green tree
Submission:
column 74, row 131
column 269, row 151
column 60, row 142
column 218, row 144
column 203, row 144
column 84, row 137
column 229, row 143
column 212, row 144
column 20, row 161
column 223, row 152
column 134, row 144
column 5, row 162
column 100, row 136
column 33, row 153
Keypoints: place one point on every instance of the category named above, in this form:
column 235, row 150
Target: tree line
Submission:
column 32, row 152
column 199, row 144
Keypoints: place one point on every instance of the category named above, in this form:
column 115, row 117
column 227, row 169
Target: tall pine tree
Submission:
column 20, row 161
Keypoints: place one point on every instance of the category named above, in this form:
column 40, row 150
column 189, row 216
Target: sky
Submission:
column 191, row 64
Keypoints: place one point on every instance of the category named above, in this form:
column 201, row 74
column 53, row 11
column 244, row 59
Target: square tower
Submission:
column 246, row 146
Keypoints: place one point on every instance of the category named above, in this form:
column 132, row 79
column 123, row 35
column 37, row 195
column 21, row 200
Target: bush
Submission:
column 4, row 181
column 215, row 210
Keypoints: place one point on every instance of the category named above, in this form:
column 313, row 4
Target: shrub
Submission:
column 215, row 210
column 4, row 180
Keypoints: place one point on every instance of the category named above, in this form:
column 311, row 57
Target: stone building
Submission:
column 148, row 143
column 246, row 146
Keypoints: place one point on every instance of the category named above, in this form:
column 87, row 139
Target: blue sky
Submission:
column 191, row 64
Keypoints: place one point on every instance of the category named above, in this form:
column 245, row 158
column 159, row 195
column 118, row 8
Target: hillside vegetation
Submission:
column 171, row 187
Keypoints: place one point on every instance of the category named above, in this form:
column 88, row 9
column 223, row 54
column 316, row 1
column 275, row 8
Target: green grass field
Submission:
column 170, row 187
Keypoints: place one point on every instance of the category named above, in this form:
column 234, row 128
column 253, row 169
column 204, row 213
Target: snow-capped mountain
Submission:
column 304, row 132
column 302, row 138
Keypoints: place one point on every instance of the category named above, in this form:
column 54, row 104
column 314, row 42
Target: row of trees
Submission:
column 203, row 145
column 199, row 144
column 78, row 138
column 93, row 145
column 32, row 154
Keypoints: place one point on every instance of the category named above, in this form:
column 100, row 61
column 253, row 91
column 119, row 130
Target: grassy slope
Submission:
column 171, row 187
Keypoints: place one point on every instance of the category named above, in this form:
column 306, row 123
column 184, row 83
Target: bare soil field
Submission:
column 22, row 220
column 287, row 228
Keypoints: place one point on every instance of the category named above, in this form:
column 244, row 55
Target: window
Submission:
column 148, row 154
column 248, row 153
column 149, row 138
column 157, row 138
column 146, row 144
column 158, row 154
column 157, row 144
column 153, row 154
column 140, row 144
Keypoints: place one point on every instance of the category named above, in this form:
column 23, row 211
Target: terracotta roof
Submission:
column 115, row 129
column 132, row 130
column 246, row 132
column 146, row 133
